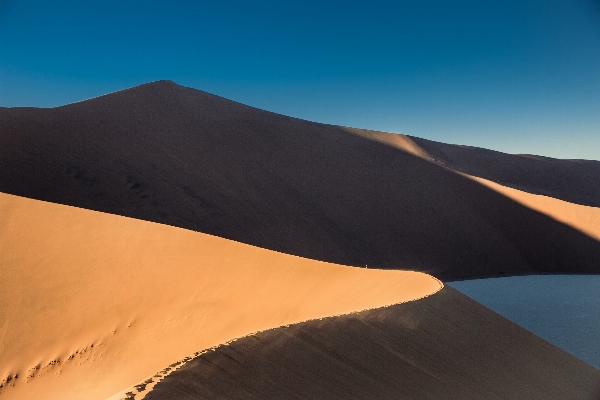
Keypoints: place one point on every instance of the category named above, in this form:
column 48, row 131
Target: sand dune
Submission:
column 91, row 303
column 583, row 218
column 445, row 346
column 179, row 156
column 574, row 181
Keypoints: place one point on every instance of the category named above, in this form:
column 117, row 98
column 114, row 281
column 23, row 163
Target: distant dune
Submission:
column 91, row 303
column 179, row 156
column 570, row 180
column 585, row 219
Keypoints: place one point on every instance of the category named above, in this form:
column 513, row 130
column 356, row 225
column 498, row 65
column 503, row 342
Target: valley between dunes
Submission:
column 93, row 303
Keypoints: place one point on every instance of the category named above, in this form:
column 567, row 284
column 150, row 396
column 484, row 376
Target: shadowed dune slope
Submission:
column 92, row 303
column 179, row 156
column 445, row 346
column 575, row 181
column 585, row 219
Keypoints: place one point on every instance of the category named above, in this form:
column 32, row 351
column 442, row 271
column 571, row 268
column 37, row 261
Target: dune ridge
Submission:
column 86, row 294
column 573, row 181
column 446, row 346
column 92, row 302
column 174, row 155
column 140, row 390
column 585, row 219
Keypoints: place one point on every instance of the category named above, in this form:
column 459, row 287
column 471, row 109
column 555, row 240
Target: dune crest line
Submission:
column 585, row 219
column 165, row 153
column 93, row 302
column 142, row 388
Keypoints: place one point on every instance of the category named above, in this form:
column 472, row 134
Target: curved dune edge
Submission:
column 446, row 346
column 585, row 219
column 91, row 303
column 142, row 388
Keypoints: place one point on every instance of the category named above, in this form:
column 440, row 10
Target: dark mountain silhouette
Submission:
column 179, row 156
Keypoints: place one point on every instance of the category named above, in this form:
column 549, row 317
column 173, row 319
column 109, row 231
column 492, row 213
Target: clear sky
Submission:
column 517, row 76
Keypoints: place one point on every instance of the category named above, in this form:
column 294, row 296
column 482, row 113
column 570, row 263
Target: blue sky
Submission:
column 515, row 76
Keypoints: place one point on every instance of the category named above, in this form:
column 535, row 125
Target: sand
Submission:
column 574, row 181
column 182, row 157
column 445, row 346
column 92, row 303
column 585, row 219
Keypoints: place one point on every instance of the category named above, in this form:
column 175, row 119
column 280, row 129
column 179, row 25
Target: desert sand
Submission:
column 585, row 219
column 573, row 181
column 92, row 303
column 182, row 157
column 445, row 346
column 569, row 180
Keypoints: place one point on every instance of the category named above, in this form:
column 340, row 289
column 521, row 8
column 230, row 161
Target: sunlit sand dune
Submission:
column 179, row 156
column 445, row 346
column 91, row 303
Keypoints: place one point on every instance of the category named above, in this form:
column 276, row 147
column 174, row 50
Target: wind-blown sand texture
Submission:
column 179, row 156
column 91, row 303
column 445, row 346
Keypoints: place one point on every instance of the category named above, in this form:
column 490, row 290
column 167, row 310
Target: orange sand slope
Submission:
column 91, row 303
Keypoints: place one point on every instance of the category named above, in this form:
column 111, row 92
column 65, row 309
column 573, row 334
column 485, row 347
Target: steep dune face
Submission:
column 446, row 346
column 168, row 154
column 91, row 303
